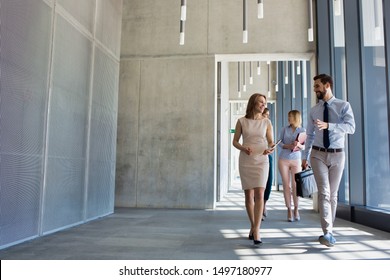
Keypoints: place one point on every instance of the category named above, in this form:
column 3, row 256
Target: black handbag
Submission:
column 306, row 184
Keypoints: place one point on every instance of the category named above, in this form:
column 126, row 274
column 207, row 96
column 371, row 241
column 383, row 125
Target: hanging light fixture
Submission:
column 258, row 68
column 260, row 9
column 310, row 30
column 269, row 78
column 183, row 10
column 182, row 27
column 298, row 67
column 277, row 77
column 293, row 79
column 183, row 17
column 244, row 77
column 245, row 26
column 239, row 80
column 286, row 73
column 250, row 73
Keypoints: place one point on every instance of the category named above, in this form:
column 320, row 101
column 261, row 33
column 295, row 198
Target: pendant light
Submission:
column 260, row 9
column 245, row 23
column 310, row 30
column 183, row 18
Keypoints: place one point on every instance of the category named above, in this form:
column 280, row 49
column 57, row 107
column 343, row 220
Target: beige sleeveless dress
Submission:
column 254, row 168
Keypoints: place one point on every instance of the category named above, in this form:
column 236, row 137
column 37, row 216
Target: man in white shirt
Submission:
column 328, row 123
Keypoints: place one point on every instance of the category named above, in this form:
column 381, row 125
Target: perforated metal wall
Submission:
column 109, row 23
column 83, row 11
column 102, row 154
column 67, row 127
column 24, row 56
column 58, row 111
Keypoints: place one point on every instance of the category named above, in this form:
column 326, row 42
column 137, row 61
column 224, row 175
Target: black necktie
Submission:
column 326, row 131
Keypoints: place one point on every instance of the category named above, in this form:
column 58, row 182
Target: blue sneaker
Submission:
column 327, row 240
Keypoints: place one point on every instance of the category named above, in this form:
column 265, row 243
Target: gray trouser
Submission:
column 328, row 170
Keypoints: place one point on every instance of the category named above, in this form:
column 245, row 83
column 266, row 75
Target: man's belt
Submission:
column 328, row 150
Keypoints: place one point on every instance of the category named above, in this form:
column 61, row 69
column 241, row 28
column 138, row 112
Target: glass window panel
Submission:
column 339, row 85
column 375, row 106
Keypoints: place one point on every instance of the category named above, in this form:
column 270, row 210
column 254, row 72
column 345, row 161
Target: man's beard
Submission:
column 321, row 94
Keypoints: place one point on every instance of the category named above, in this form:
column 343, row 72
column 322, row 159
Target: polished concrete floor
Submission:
column 220, row 234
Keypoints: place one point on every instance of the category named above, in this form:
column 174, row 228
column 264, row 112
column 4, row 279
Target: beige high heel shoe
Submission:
column 296, row 215
column 290, row 217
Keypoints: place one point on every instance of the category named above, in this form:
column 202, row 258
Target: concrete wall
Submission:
column 165, row 155
column 167, row 101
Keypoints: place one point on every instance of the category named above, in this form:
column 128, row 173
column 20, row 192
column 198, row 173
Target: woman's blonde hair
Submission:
column 296, row 117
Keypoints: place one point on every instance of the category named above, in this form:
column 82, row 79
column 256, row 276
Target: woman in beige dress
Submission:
column 257, row 143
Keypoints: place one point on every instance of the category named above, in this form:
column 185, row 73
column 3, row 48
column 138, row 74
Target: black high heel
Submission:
column 251, row 237
column 257, row 242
